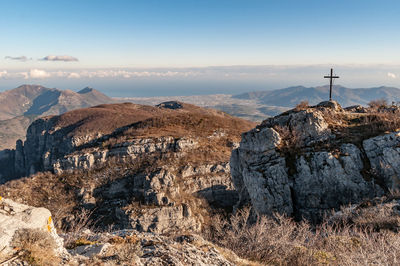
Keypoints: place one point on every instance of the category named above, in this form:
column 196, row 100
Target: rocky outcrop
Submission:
column 49, row 149
column 299, row 163
column 45, row 143
column 167, row 200
column 160, row 191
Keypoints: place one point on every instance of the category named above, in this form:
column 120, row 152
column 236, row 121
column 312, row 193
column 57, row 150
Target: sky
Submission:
column 183, row 47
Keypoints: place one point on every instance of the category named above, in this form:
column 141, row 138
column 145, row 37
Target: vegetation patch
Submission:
column 35, row 247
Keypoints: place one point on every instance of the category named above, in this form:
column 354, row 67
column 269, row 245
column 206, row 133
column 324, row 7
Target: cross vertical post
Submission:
column 331, row 77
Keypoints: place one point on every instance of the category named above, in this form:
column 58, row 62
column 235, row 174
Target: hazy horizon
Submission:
column 150, row 82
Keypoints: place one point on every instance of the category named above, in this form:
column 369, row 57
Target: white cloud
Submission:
column 38, row 74
column 65, row 58
column 13, row 75
column 74, row 75
column 391, row 75
column 3, row 74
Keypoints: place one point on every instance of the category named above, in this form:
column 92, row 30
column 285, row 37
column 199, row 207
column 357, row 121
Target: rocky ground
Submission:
column 28, row 237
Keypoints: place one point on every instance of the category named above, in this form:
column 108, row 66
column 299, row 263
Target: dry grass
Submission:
column 281, row 241
column 35, row 246
column 356, row 127
column 378, row 214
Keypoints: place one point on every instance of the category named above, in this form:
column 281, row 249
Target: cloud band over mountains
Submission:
column 113, row 74
column 17, row 58
column 51, row 58
column 64, row 58
column 251, row 77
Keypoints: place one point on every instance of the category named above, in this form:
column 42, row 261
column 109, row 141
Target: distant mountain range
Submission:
column 291, row 96
column 259, row 105
column 20, row 106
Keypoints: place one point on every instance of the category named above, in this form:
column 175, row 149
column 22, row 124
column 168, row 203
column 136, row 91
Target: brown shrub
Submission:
column 281, row 241
column 35, row 247
column 302, row 106
column 378, row 104
column 125, row 249
column 290, row 138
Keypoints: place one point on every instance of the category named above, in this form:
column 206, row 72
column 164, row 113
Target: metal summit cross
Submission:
column 331, row 77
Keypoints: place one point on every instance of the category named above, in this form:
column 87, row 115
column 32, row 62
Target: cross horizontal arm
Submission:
column 334, row 77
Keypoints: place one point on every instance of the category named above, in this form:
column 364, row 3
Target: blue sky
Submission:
column 140, row 36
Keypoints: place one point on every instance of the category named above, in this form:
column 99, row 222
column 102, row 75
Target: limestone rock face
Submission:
column 384, row 155
column 15, row 217
column 297, row 164
column 127, row 150
column 45, row 145
column 324, row 182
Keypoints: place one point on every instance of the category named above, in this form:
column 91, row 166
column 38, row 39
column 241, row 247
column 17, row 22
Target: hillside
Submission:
column 20, row 106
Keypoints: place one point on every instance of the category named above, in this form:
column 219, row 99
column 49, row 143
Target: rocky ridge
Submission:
column 306, row 162
column 154, row 169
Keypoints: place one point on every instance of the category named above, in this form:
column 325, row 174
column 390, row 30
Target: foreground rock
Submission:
column 18, row 222
column 306, row 162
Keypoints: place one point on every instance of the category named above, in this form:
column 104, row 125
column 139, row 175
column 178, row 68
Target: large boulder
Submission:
column 305, row 163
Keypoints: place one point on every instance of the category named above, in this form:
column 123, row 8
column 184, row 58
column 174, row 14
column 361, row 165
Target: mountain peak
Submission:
column 85, row 90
